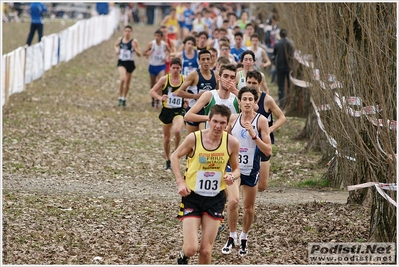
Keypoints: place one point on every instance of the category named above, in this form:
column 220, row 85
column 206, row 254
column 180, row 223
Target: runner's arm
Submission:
column 276, row 111
column 264, row 143
column 186, row 147
column 181, row 47
column 116, row 46
column 179, row 55
column 192, row 115
column 157, row 88
column 232, row 120
column 266, row 59
column 148, row 51
column 189, row 80
column 164, row 20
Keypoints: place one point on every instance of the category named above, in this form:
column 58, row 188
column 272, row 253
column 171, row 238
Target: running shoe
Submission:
column 231, row 243
column 243, row 248
column 124, row 103
column 120, row 102
column 168, row 166
column 182, row 259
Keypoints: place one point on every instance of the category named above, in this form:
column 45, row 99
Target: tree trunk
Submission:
column 383, row 219
column 297, row 103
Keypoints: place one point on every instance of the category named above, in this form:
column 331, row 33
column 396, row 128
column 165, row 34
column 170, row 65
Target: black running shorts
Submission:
column 195, row 206
column 167, row 114
column 129, row 65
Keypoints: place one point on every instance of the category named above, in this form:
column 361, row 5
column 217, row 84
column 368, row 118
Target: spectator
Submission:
column 135, row 13
column 283, row 53
column 150, row 11
column 36, row 12
column 102, row 8
column 18, row 8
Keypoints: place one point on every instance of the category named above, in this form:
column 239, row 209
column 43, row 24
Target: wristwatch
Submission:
column 232, row 176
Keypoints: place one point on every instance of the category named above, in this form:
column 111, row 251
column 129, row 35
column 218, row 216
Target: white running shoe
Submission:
column 231, row 243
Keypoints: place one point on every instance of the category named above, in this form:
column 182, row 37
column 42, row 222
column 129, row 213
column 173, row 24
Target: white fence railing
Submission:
column 27, row 64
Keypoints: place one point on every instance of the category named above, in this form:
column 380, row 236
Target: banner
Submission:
column 81, row 37
column 11, row 72
column 63, row 40
column 18, row 83
column 38, row 61
column 3, row 79
column 50, row 44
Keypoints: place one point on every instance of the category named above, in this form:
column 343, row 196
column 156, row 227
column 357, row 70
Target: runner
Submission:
column 267, row 107
column 252, row 131
column 248, row 60
column 158, row 51
column 172, row 111
column 203, row 186
column 219, row 63
column 261, row 58
column 202, row 43
column 189, row 56
column 222, row 96
column 172, row 24
column 249, row 30
column 195, row 84
column 237, row 49
column 214, row 57
column 225, row 52
column 180, row 18
column 125, row 47
column 189, row 16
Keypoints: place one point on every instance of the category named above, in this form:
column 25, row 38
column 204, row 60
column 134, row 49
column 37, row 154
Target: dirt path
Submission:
column 129, row 188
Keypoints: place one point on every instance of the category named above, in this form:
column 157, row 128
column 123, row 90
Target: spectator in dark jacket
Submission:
column 283, row 54
column 36, row 13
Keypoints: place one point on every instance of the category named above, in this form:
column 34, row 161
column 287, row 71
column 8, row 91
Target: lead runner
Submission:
column 203, row 186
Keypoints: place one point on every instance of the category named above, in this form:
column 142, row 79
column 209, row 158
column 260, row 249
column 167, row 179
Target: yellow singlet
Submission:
column 205, row 170
column 172, row 25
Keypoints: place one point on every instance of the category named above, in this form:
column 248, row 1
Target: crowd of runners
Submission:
column 207, row 70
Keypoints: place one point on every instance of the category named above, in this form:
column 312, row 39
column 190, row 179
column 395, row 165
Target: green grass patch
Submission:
column 313, row 183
